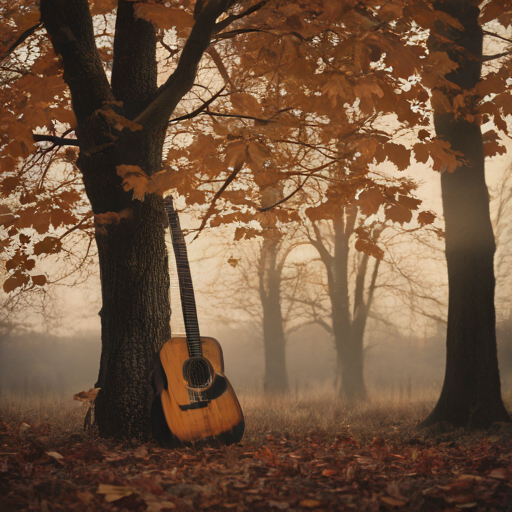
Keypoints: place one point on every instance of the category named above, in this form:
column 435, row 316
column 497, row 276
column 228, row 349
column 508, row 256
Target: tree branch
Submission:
column 487, row 33
column 217, row 60
column 198, row 110
column 252, row 118
column 58, row 141
column 317, row 243
column 182, row 80
column 234, row 33
column 134, row 69
column 21, row 39
column 289, row 196
column 233, row 17
column 487, row 58
column 69, row 25
column 237, row 168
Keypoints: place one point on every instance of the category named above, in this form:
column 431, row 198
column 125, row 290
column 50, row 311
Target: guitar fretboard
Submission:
column 188, row 303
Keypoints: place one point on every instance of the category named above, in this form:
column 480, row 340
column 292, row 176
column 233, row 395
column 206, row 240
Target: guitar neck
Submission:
column 188, row 302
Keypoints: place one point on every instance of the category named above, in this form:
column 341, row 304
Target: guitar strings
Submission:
column 186, row 291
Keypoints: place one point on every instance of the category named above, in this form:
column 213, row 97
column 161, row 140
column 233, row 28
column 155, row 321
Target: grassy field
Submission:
column 306, row 452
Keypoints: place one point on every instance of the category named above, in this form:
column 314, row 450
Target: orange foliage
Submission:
column 295, row 131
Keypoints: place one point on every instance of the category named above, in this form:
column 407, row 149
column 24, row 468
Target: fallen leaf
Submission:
column 114, row 492
column 310, row 503
column 154, row 506
column 283, row 505
column 141, row 452
column 87, row 396
column 55, row 455
column 392, row 501
column 499, row 473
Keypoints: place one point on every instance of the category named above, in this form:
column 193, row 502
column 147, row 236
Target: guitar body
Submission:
column 194, row 413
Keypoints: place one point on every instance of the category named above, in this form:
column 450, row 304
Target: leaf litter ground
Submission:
column 297, row 455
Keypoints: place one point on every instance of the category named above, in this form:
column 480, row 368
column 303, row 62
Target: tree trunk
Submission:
column 131, row 246
column 276, row 376
column 135, row 318
column 349, row 353
column 471, row 394
column 135, row 314
column 132, row 254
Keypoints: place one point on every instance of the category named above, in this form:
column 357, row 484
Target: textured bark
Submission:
column 132, row 254
column 471, row 394
column 270, row 271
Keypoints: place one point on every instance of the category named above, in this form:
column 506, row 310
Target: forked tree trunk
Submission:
column 132, row 254
column 349, row 328
column 471, row 394
column 276, row 375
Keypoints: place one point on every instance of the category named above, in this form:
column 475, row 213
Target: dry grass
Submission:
column 321, row 410
column 63, row 413
column 318, row 410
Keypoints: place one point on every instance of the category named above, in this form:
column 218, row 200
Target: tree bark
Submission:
column 471, row 394
column 276, row 375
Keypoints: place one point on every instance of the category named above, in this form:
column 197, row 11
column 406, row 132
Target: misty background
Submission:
column 50, row 343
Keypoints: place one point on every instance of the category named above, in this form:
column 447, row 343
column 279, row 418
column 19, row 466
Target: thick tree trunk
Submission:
column 134, row 273
column 471, row 394
column 135, row 318
column 276, row 375
column 132, row 254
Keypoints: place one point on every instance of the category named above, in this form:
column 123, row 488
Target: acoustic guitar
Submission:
column 194, row 400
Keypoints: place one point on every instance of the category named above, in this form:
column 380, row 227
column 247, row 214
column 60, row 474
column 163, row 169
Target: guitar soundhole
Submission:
column 197, row 372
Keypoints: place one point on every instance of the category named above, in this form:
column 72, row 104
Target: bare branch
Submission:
column 487, row 58
column 21, row 39
column 58, row 141
column 198, row 110
column 233, row 17
column 237, row 168
column 487, row 33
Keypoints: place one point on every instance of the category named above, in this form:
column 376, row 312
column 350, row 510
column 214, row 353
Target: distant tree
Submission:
column 471, row 393
column 350, row 303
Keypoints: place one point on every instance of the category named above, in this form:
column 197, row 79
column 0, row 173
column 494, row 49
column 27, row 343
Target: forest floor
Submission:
column 298, row 454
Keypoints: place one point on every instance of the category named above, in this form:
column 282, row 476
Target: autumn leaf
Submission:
column 258, row 153
column 370, row 248
column 398, row 154
column 338, row 90
column 119, row 121
column 409, row 202
column 134, row 178
column 114, row 492
column 499, row 473
column 426, row 218
column 246, row 103
column 87, row 396
column 17, row 280
column 492, row 144
column 388, row 500
column 55, row 455
column 39, row 280
column 398, row 213
column 233, row 262
column 370, row 200
column 310, row 503
column 165, row 17
column 102, row 219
